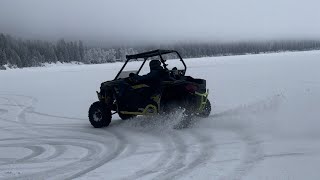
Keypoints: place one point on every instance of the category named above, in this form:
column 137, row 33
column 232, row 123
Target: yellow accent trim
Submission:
column 131, row 113
column 203, row 101
column 144, row 112
column 157, row 99
column 138, row 86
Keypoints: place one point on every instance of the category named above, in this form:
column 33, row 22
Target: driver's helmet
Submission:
column 175, row 71
column 155, row 65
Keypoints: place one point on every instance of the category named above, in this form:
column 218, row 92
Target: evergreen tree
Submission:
column 81, row 50
column 3, row 58
column 24, row 53
column 77, row 54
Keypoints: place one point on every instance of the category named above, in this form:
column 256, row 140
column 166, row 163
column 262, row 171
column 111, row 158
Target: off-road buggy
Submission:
column 130, row 99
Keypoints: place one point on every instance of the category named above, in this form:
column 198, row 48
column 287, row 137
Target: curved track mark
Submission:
column 165, row 157
column 204, row 154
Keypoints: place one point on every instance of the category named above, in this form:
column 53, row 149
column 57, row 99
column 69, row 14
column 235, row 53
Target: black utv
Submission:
column 130, row 97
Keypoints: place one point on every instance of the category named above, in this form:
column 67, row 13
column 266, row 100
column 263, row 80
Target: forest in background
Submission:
column 19, row 53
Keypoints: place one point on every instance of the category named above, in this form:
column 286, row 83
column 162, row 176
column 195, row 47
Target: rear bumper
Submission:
column 203, row 97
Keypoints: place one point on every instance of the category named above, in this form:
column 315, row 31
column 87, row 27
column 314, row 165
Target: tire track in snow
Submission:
column 177, row 166
column 3, row 111
column 58, row 151
column 54, row 116
column 165, row 157
column 120, row 147
column 77, row 168
column 180, row 159
column 172, row 163
column 253, row 154
column 239, row 120
column 175, row 151
column 20, row 118
column 205, row 148
column 35, row 151
column 6, row 100
column 97, row 155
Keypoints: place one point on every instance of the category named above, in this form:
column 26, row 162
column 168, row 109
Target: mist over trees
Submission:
column 18, row 53
column 25, row 53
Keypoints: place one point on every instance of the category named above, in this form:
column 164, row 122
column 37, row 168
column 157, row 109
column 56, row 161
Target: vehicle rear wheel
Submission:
column 99, row 115
column 126, row 116
column 206, row 111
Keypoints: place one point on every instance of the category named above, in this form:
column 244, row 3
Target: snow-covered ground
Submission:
column 264, row 125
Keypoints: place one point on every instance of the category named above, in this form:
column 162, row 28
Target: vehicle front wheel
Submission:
column 99, row 115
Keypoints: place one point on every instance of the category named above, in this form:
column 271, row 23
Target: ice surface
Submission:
column 264, row 124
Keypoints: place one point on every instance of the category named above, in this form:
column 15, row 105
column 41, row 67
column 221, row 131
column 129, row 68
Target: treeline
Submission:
column 28, row 53
column 240, row 48
column 18, row 53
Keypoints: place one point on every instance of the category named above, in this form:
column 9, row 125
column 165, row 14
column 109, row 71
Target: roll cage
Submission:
column 149, row 54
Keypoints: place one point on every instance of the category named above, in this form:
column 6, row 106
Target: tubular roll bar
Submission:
column 146, row 55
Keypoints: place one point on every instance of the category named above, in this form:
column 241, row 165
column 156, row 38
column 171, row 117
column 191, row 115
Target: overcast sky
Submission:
column 136, row 21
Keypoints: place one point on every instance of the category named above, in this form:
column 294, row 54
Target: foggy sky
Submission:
column 161, row 21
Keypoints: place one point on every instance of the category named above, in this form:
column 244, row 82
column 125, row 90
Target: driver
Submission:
column 156, row 75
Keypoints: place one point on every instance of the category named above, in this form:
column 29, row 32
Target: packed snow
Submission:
column 264, row 124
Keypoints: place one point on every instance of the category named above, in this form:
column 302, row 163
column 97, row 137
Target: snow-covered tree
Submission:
column 98, row 55
column 3, row 58
column 81, row 50
column 126, row 51
column 110, row 55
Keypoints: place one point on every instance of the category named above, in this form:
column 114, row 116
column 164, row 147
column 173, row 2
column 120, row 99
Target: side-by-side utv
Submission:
column 130, row 98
